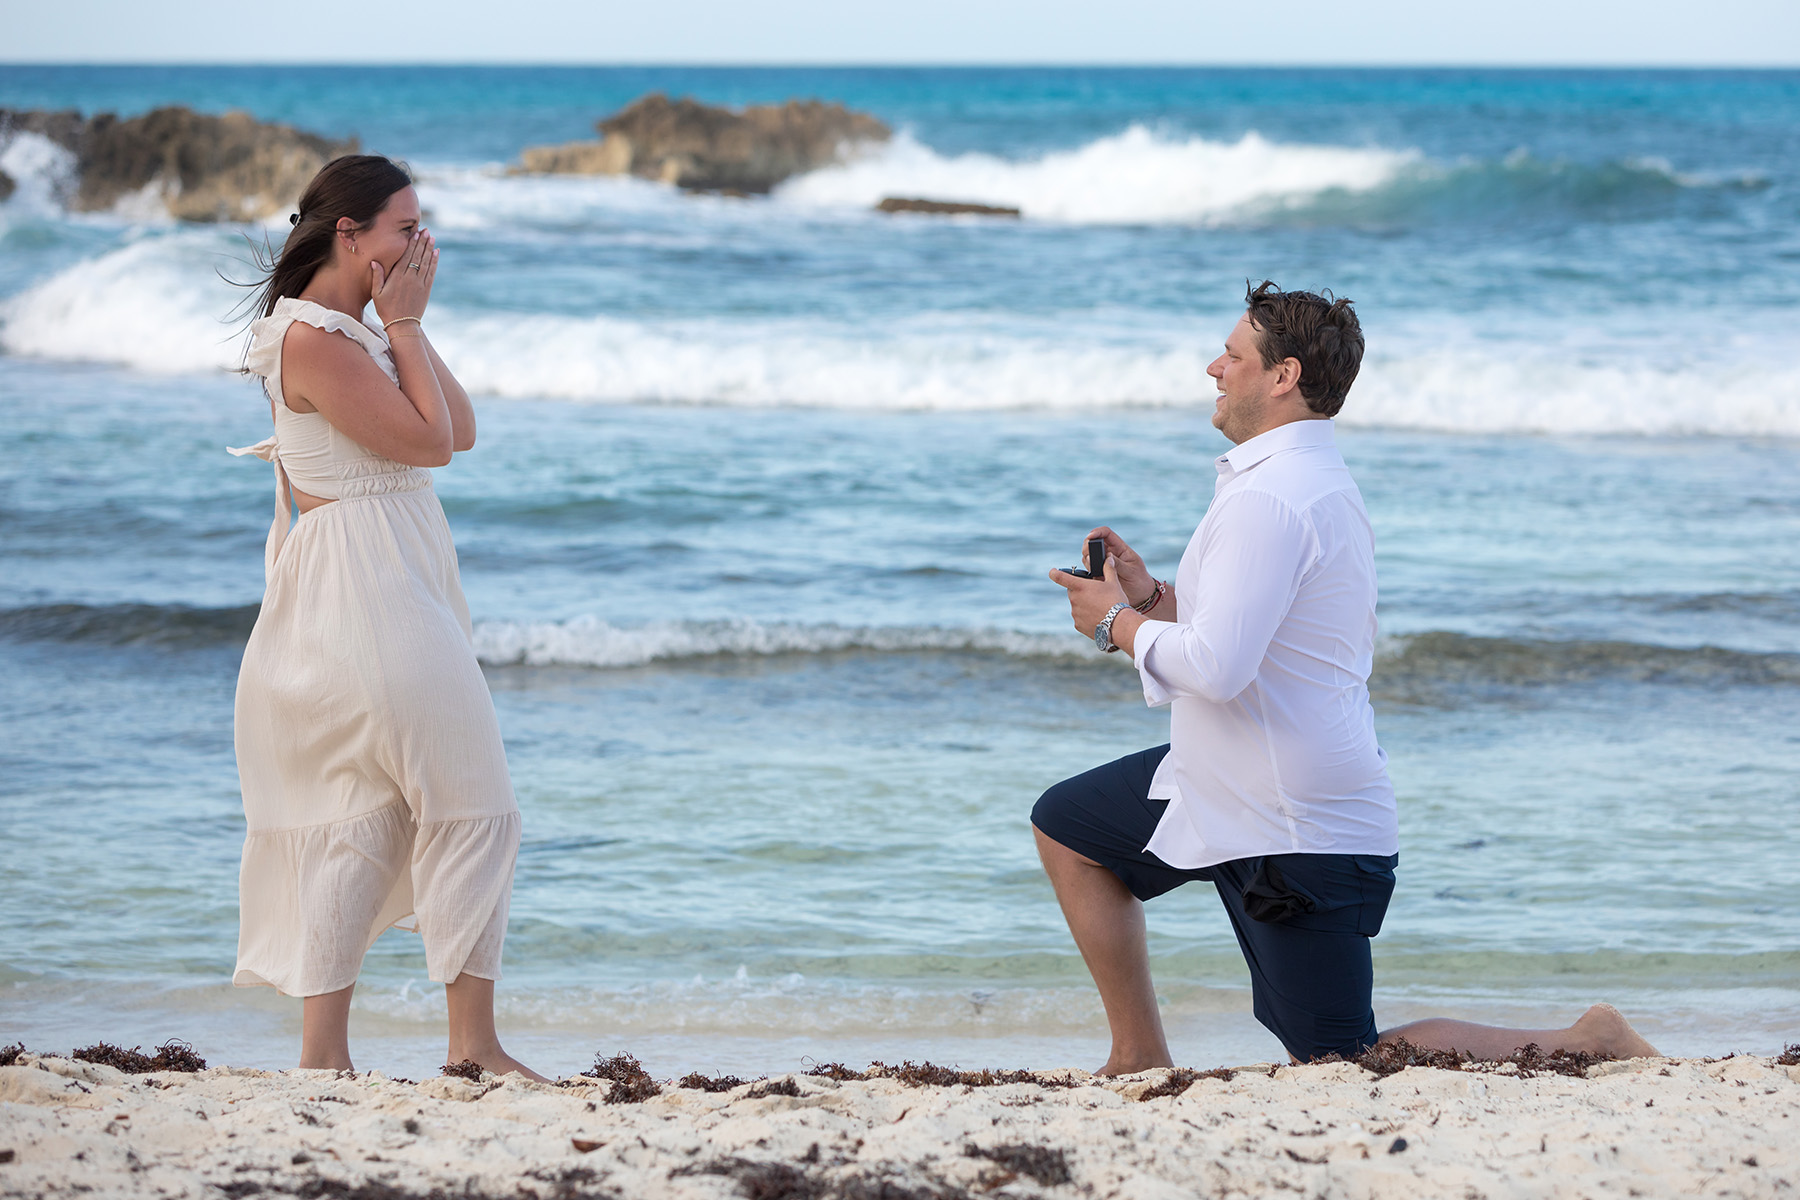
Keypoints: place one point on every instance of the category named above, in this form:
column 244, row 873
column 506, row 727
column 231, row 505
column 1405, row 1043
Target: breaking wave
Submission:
column 591, row 642
column 1519, row 186
column 1140, row 177
column 1134, row 177
column 1405, row 667
column 156, row 305
column 1425, row 668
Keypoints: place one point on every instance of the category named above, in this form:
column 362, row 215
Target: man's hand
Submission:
column 1134, row 576
column 1089, row 600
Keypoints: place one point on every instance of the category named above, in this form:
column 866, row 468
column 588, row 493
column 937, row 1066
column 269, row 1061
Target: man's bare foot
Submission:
column 1604, row 1030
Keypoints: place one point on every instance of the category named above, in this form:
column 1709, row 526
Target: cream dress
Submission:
column 375, row 783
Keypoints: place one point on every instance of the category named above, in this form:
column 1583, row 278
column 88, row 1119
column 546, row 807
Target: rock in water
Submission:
column 611, row 157
column 63, row 127
column 702, row 148
column 896, row 204
column 225, row 168
column 202, row 167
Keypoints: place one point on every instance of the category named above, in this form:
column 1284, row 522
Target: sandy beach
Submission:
column 1644, row 1127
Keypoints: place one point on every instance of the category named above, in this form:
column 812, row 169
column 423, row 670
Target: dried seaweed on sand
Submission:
column 927, row 1074
column 695, row 1081
column 1044, row 1164
column 631, row 1083
column 781, row 1087
column 1180, row 1079
column 172, row 1055
column 837, row 1071
column 1388, row 1058
column 788, row 1181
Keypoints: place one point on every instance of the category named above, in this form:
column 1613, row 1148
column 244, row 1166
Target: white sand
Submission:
column 1651, row 1127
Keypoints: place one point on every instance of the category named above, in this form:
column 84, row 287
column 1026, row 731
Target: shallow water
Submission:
column 756, row 531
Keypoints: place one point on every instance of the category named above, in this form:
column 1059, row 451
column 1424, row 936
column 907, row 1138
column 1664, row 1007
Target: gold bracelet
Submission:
column 397, row 320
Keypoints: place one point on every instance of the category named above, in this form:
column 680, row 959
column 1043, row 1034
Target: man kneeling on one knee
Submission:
column 1272, row 786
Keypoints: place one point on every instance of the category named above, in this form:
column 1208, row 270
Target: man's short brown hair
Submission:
column 1319, row 332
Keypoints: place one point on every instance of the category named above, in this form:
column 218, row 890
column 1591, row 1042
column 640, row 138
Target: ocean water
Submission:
column 756, row 532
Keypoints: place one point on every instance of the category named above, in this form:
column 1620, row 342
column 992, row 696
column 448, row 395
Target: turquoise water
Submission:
column 755, row 538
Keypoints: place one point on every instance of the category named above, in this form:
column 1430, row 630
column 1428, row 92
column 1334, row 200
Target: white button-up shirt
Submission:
column 1272, row 738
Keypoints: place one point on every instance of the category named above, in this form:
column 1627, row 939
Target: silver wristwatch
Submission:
column 1103, row 631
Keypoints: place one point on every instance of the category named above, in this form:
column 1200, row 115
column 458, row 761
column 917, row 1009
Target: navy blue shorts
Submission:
column 1303, row 921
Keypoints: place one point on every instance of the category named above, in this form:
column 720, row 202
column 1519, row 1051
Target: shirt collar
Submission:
column 1291, row 436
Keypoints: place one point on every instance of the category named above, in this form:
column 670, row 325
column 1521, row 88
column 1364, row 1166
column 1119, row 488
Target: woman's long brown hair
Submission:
column 357, row 186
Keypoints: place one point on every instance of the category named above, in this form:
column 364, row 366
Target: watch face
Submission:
column 1103, row 631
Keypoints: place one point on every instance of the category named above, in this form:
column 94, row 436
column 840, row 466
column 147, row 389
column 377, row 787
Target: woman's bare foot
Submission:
column 499, row 1062
column 325, row 1031
column 472, row 1038
column 1131, row 1066
column 505, row 1064
column 326, row 1063
column 1602, row 1029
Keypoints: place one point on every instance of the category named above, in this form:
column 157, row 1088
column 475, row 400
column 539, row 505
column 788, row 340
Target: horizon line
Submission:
column 895, row 65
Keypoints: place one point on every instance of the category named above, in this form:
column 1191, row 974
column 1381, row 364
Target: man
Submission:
column 1273, row 786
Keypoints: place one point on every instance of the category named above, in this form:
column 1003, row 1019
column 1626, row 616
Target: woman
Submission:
column 375, row 783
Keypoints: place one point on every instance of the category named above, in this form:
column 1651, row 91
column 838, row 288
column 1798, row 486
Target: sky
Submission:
column 1207, row 32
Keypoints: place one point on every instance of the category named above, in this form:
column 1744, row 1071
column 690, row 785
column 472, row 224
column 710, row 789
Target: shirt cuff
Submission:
column 1155, row 694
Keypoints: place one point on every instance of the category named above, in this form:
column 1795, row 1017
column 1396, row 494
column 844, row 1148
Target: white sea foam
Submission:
column 1484, row 392
column 42, row 172
column 156, row 304
column 928, row 363
column 464, row 198
column 972, row 364
column 589, row 641
column 1134, row 177
column 592, row 642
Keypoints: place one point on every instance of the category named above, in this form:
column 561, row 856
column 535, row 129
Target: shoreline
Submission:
column 673, row 1031
column 1651, row 1126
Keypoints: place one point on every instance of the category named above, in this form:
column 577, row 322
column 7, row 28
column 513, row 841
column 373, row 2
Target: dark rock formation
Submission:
column 202, row 167
column 896, row 204
column 6, row 187
column 702, row 148
column 64, row 127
